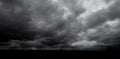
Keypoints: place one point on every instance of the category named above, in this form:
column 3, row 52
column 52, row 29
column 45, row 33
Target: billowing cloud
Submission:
column 61, row 23
column 104, row 24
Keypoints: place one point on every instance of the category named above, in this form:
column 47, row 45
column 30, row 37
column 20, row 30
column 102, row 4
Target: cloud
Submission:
column 107, row 1
column 96, row 19
column 113, row 10
column 105, row 34
column 55, row 30
column 109, row 12
column 61, row 23
column 100, row 25
column 85, row 43
column 14, row 20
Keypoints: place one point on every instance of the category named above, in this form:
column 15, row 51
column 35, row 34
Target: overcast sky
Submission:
column 81, row 23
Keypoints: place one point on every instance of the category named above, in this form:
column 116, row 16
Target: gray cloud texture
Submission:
column 105, row 34
column 43, row 22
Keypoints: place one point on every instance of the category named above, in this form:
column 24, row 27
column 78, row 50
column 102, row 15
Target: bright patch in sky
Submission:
column 92, row 6
column 113, row 23
column 85, row 43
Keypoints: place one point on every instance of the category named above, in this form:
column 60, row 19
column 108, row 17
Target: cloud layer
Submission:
column 61, row 23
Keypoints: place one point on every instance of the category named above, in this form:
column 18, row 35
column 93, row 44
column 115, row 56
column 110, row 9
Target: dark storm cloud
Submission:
column 97, row 18
column 42, row 22
column 103, row 15
column 14, row 20
column 76, row 8
column 114, row 10
column 51, row 31
column 50, row 28
column 106, row 35
column 48, row 17
column 11, row 1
